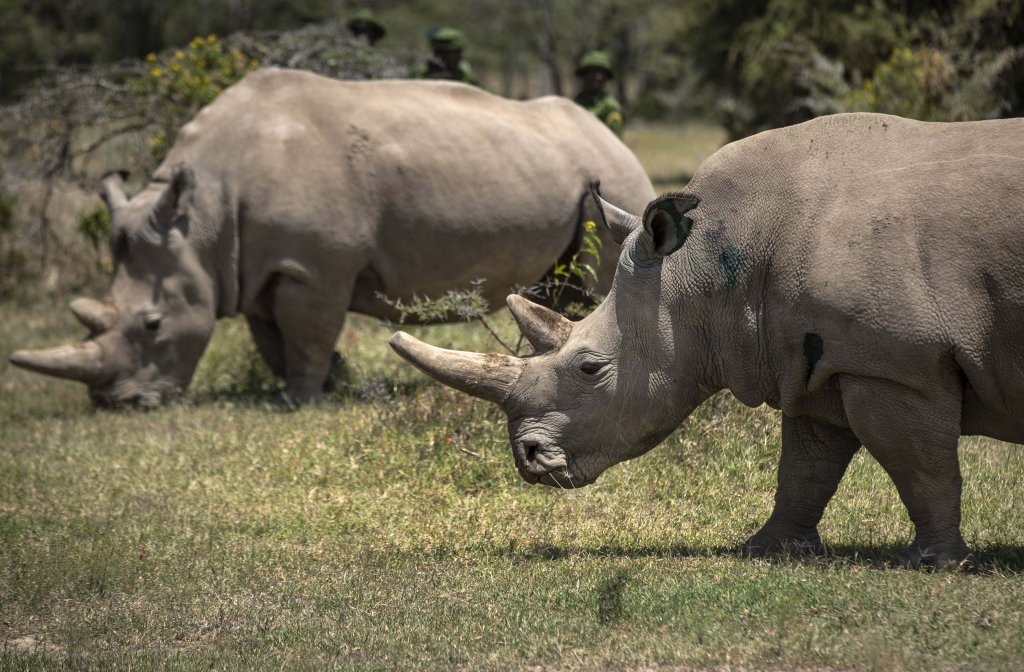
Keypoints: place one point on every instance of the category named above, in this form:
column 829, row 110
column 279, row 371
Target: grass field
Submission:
column 389, row 530
column 671, row 153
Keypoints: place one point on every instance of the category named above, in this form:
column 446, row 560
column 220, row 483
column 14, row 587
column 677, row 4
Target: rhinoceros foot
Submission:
column 768, row 540
column 950, row 556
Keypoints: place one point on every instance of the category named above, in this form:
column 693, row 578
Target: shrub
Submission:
column 179, row 84
column 573, row 277
column 913, row 83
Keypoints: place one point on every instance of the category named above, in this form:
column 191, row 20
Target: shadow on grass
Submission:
column 991, row 559
column 995, row 559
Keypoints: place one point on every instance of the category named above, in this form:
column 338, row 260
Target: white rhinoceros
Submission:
column 294, row 198
column 863, row 273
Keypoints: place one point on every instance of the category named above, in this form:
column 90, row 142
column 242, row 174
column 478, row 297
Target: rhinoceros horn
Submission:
column 488, row 376
column 82, row 361
column 618, row 221
column 95, row 315
column 545, row 329
column 113, row 189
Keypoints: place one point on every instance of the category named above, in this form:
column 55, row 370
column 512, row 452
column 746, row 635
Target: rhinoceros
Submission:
column 294, row 198
column 863, row 273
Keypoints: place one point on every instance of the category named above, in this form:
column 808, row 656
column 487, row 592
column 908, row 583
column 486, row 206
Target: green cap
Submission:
column 366, row 17
column 445, row 39
column 596, row 59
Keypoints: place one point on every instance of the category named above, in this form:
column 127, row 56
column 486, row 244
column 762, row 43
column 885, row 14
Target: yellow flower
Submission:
column 211, row 38
column 589, row 225
column 150, row 57
column 156, row 72
column 175, row 67
column 178, row 55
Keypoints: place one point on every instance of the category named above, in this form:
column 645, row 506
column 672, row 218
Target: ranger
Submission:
column 594, row 72
column 446, row 62
column 364, row 25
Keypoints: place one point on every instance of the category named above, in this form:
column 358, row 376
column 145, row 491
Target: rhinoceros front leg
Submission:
column 914, row 436
column 309, row 321
column 814, row 458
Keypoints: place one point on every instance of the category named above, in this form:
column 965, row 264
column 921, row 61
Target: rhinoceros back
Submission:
column 425, row 186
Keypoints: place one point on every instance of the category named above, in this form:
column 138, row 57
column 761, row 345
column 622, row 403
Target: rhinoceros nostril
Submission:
column 531, row 448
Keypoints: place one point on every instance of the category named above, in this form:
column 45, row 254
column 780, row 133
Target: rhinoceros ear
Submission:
column 112, row 189
column 666, row 225
column 618, row 221
column 178, row 194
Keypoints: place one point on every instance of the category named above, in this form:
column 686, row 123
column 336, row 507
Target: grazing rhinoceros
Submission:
column 294, row 198
column 863, row 273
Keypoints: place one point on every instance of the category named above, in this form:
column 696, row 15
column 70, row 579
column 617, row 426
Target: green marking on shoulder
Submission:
column 732, row 262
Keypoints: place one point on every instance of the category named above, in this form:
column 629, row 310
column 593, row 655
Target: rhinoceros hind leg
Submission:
column 269, row 343
column 814, row 458
column 914, row 436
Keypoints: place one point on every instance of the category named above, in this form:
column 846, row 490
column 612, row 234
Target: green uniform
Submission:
column 447, row 44
column 606, row 108
column 431, row 70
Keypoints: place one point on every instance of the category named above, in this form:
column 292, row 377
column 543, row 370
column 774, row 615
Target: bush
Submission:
column 182, row 82
column 913, row 83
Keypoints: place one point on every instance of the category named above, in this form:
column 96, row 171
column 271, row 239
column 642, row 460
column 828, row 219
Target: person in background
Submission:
column 364, row 25
column 446, row 62
column 594, row 72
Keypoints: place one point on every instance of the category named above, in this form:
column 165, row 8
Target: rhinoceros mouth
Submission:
column 538, row 462
column 127, row 394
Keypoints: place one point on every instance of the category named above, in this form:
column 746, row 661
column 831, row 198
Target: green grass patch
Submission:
column 670, row 153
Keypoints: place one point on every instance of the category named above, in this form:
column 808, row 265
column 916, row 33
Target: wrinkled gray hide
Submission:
column 863, row 273
column 294, row 198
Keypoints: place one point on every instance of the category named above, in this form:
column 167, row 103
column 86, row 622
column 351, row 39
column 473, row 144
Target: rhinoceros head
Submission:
column 148, row 334
column 598, row 391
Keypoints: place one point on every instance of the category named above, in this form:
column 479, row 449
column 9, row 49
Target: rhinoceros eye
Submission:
column 151, row 322
column 591, row 367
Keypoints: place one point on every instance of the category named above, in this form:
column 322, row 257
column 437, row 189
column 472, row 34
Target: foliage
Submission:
column 77, row 124
column 572, row 277
column 7, row 202
column 576, row 270
column 778, row 62
column 7, row 269
column 186, row 80
column 95, row 226
column 912, row 83
column 569, row 286
column 41, row 35
column 464, row 304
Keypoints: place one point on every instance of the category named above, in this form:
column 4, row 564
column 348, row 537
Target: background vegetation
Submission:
column 93, row 85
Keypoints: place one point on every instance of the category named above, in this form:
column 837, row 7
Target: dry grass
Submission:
column 671, row 153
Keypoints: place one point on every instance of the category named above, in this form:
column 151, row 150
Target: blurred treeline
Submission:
column 754, row 64
column 93, row 85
